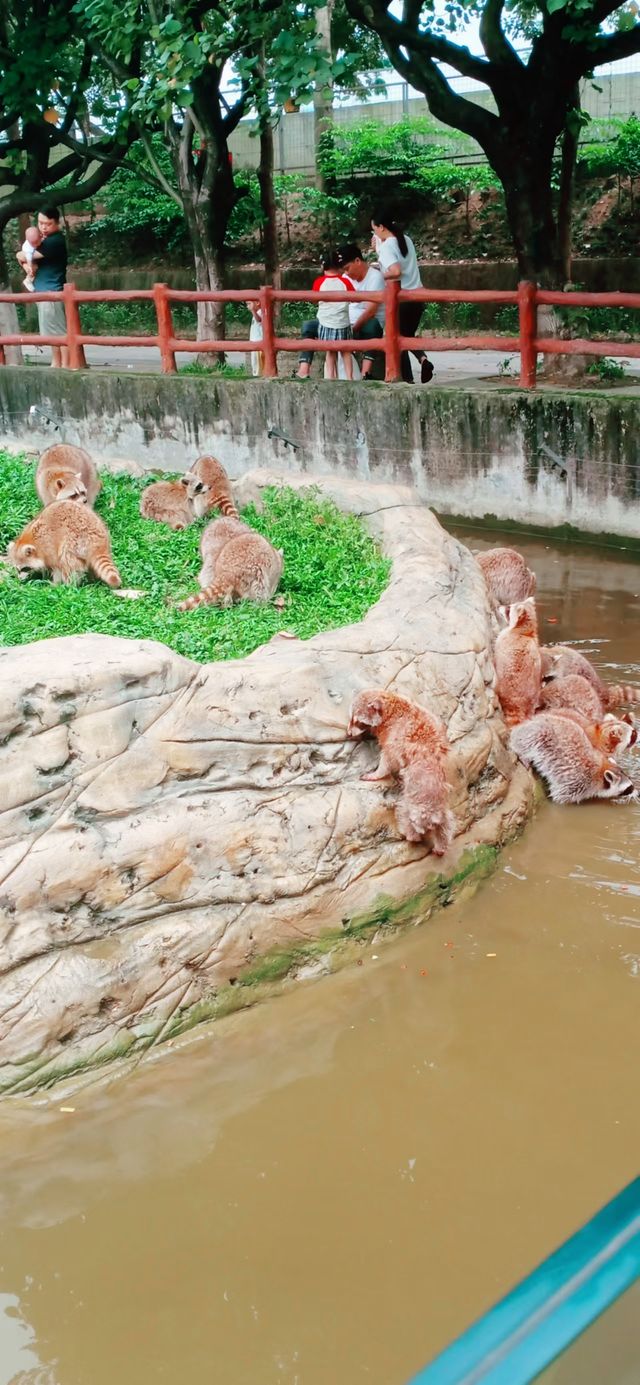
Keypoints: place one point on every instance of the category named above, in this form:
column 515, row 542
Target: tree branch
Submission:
column 28, row 199
column 76, row 97
column 235, row 114
column 602, row 10
column 614, row 46
column 164, row 182
column 446, row 104
column 494, row 41
column 374, row 15
column 184, row 148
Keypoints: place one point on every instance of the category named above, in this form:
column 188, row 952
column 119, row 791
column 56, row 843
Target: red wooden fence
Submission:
column 528, row 298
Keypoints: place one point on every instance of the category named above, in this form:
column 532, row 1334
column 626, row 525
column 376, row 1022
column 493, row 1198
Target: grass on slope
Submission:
column 333, row 573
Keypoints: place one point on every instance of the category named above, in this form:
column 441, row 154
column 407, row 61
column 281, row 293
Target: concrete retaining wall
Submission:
column 475, row 453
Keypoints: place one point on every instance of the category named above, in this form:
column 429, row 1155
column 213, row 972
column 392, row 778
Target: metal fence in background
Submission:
column 614, row 93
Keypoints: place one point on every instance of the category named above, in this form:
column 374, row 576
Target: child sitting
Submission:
column 32, row 240
column 333, row 318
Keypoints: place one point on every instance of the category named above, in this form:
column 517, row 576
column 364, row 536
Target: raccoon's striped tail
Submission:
column 209, row 596
column 227, row 507
column 106, row 570
column 619, row 694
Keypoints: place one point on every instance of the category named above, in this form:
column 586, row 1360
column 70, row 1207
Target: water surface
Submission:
column 326, row 1189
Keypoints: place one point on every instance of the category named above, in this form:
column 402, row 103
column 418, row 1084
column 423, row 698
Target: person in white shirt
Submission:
column 367, row 319
column 333, row 318
column 398, row 260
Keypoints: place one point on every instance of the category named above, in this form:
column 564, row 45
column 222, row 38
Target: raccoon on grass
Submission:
column 333, row 573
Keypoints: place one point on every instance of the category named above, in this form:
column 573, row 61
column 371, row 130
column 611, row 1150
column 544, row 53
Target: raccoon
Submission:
column 413, row 745
column 558, row 661
column 573, row 692
column 517, row 659
column 168, row 503
column 208, row 488
column 610, row 735
column 506, row 575
column 558, row 748
column 68, row 540
column 67, row 473
column 237, row 565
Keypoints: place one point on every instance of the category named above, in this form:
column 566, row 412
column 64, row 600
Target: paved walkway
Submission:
column 451, row 367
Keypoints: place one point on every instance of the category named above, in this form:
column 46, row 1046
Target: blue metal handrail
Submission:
column 542, row 1316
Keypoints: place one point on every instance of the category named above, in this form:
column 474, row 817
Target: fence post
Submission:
column 165, row 328
column 393, row 370
column 528, row 315
column 74, row 328
column 270, row 366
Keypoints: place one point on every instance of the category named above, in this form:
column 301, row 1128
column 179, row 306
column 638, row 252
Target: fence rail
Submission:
column 528, row 298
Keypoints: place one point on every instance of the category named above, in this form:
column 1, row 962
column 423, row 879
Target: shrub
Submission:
column 607, row 369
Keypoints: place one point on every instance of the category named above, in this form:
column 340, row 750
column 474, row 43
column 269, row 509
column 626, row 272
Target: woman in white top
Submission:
column 397, row 258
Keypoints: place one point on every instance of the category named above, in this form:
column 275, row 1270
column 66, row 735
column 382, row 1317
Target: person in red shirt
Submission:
column 310, row 328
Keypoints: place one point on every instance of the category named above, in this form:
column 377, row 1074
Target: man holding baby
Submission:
column 44, row 257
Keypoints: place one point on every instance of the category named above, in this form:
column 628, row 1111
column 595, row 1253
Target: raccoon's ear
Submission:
column 60, row 483
column 375, row 711
column 609, row 777
column 27, row 550
column 184, row 480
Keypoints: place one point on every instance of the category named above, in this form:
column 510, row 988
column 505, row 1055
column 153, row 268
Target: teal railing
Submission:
column 543, row 1315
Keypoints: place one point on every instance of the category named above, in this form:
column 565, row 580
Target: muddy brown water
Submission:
column 326, row 1189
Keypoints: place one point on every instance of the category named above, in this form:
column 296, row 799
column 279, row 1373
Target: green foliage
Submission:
column 466, row 317
column 333, row 573
column 34, row 41
column 606, row 369
column 57, row 103
column 600, row 322
column 507, row 320
column 405, row 151
column 372, row 147
column 136, row 318
column 332, row 213
column 619, row 155
column 145, row 221
column 136, row 210
column 221, row 372
column 247, row 217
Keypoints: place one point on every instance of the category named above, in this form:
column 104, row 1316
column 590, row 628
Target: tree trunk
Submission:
column 540, row 250
column 533, row 226
column 323, row 92
column 268, row 204
column 565, row 196
column 208, row 197
column 8, row 312
column 209, row 269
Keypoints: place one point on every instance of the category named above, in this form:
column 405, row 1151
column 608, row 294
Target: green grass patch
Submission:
column 333, row 573
column 217, row 371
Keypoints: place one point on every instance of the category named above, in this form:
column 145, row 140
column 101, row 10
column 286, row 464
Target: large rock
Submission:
column 165, row 824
